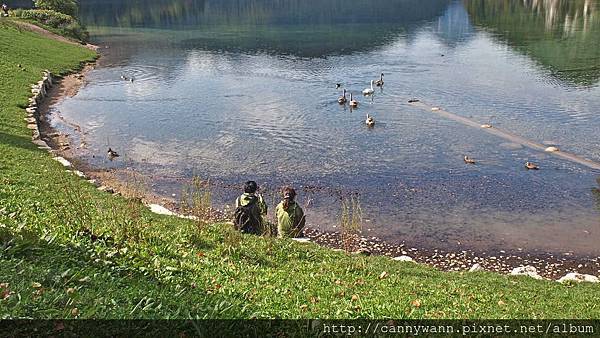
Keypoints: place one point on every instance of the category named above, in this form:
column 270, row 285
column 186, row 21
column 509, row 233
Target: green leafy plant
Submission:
column 350, row 221
column 68, row 7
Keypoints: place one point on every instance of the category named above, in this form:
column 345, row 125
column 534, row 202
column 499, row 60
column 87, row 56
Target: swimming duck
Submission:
column 353, row 102
column 379, row 82
column 469, row 160
column 486, row 126
column 112, row 154
column 369, row 91
column 413, row 100
column 435, row 108
column 131, row 79
column 123, row 77
column 370, row 121
column 342, row 99
column 338, row 85
column 530, row 165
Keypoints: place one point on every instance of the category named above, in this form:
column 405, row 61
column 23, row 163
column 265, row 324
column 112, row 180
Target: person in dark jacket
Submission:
column 251, row 210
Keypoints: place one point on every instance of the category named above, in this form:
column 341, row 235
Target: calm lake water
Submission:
column 236, row 90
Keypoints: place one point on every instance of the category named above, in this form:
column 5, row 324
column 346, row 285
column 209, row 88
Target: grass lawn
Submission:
column 68, row 250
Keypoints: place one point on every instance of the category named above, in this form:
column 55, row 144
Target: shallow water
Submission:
column 236, row 90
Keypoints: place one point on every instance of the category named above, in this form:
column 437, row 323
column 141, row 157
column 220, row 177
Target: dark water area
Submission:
column 236, row 90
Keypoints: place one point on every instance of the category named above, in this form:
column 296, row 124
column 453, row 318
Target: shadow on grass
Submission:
column 16, row 141
column 70, row 277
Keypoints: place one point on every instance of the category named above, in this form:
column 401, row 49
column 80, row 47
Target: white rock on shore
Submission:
column 526, row 271
column 403, row 258
column 476, row 267
column 62, row 161
column 159, row 209
column 579, row 277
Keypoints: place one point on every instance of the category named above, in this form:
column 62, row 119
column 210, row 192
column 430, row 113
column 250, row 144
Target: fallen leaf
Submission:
column 354, row 297
column 5, row 294
column 70, row 290
column 314, row 300
column 75, row 312
column 3, row 285
column 416, row 303
column 200, row 254
column 303, row 307
column 36, row 285
column 59, row 326
column 338, row 282
column 383, row 275
column 501, row 302
column 359, row 281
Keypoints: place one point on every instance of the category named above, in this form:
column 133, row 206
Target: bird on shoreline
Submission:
column 353, row 102
column 370, row 121
column 111, row 154
column 379, row 82
column 531, row 166
column 342, row 99
column 469, row 160
column 369, row 91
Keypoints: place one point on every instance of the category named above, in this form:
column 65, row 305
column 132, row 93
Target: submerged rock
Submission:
column 526, row 271
column 579, row 277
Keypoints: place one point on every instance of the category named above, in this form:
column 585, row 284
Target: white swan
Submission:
column 369, row 91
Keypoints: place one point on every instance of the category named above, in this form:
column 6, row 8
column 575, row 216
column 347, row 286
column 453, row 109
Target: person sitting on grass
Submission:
column 250, row 211
column 290, row 216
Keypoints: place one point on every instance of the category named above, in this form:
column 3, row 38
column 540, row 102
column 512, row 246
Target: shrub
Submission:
column 62, row 23
column 68, row 7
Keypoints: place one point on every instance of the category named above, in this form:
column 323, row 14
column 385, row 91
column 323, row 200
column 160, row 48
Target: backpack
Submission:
column 245, row 218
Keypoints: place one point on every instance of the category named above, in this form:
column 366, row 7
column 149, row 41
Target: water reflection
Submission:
column 303, row 28
column 562, row 35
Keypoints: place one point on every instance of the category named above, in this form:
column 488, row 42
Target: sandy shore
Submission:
column 549, row 265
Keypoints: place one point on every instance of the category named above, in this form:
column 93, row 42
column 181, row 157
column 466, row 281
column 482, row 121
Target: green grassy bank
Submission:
column 68, row 250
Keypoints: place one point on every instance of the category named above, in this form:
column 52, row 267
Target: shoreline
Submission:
column 548, row 265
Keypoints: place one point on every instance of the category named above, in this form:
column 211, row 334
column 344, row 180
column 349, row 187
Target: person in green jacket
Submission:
column 251, row 210
column 290, row 216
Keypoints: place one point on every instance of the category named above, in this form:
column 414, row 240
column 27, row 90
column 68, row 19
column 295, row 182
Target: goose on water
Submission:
column 111, row 153
column 531, row 166
column 379, row 82
column 342, row 99
column 469, row 160
column 353, row 102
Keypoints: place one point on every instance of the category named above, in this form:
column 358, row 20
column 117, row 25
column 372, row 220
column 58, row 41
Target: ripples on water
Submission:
column 234, row 114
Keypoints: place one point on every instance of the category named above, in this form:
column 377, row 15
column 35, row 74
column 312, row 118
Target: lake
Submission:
column 236, row 90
